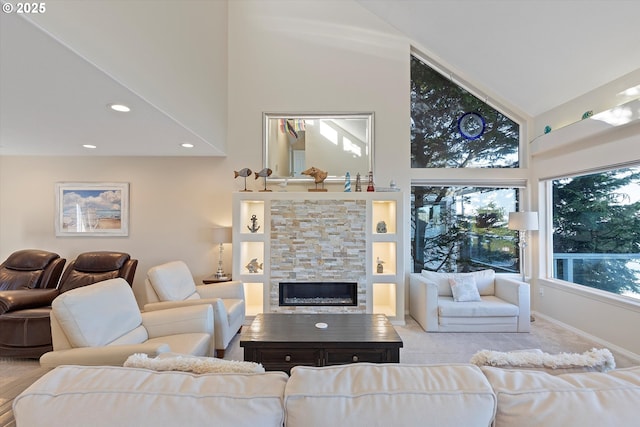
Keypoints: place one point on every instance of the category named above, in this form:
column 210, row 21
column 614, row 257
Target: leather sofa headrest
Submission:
column 94, row 262
column 30, row 259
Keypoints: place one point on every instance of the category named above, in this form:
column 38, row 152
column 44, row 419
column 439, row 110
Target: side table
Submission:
column 213, row 279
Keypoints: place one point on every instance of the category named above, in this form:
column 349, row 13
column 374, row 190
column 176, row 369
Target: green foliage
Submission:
column 593, row 215
column 436, row 105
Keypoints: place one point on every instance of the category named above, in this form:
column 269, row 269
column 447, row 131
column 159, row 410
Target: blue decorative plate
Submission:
column 471, row 125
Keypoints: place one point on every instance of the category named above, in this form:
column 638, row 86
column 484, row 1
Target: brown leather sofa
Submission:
column 25, row 329
column 31, row 269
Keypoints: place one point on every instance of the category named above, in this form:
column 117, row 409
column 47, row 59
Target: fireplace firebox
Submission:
column 318, row 293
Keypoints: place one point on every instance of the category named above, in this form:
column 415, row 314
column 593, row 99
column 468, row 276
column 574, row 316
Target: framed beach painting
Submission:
column 92, row 209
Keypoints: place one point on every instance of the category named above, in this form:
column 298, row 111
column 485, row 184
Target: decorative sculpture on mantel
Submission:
column 243, row 173
column 264, row 173
column 318, row 175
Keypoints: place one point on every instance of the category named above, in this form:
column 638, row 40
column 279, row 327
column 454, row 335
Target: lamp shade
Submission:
column 523, row 221
column 222, row 235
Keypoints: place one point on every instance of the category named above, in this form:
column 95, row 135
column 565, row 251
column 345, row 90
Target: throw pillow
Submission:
column 464, row 289
column 600, row 360
column 195, row 364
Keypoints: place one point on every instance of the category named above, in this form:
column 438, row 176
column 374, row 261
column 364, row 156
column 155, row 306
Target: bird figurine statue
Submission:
column 264, row 173
column 243, row 173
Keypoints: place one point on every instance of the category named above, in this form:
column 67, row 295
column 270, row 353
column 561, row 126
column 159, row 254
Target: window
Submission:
column 451, row 128
column 596, row 230
column 463, row 229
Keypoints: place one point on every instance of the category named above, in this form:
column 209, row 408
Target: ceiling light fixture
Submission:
column 187, row 145
column 121, row 108
column 89, row 146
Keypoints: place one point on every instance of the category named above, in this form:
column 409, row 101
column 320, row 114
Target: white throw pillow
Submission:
column 600, row 360
column 464, row 289
column 195, row 364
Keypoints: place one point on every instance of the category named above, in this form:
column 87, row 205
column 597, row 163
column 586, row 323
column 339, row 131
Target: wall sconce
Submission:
column 221, row 235
column 523, row 222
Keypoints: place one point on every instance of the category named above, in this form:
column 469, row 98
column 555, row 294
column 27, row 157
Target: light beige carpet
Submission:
column 419, row 348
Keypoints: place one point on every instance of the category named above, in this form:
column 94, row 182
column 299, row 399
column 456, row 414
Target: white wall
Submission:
column 611, row 319
column 283, row 56
column 174, row 204
column 319, row 56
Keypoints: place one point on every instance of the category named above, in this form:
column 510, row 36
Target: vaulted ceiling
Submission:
column 531, row 55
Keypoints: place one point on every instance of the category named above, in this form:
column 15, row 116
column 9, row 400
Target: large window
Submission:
column 463, row 229
column 596, row 230
column 460, row 227
column 451, row 128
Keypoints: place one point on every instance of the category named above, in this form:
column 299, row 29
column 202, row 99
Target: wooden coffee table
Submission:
column 282, row 341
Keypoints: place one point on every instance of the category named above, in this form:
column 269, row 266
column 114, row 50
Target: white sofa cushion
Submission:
column 464, row 289
column 116, row 396
column 388, row 395
column 489, row 306
column 484, row 281
column 173, row 281
column 530, row 398
column 95, row 315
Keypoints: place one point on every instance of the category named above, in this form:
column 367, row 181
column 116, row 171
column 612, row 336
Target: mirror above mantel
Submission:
column 334, row 142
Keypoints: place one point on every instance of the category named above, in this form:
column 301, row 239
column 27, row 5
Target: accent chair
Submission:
column 171, row 285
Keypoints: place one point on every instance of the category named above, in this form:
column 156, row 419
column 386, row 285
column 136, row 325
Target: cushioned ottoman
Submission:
column 529, row 398
column 367, row 394
column 115, row 396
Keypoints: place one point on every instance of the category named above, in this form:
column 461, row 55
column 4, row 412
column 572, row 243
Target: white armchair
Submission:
column 171, row 285
column 503, row 304
column 101, row 324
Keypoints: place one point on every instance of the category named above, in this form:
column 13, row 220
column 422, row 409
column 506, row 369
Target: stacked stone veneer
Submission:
column 318, row 241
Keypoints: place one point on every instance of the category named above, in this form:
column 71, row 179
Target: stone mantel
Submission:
column 321, row 236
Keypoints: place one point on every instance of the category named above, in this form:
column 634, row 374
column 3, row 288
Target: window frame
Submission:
column 545, row 250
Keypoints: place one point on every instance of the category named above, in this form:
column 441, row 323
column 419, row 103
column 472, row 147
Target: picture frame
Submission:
column 92, row 209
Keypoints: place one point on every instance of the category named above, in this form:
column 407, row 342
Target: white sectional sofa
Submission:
column 349, row 395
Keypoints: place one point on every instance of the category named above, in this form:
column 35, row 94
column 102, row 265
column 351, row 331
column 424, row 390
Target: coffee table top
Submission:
column 347, row 328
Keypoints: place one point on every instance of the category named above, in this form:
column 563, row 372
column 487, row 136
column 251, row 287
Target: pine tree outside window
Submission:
column 460, row 228
column 596, row 231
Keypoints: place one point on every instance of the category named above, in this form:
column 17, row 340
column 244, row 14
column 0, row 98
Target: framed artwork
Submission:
column 92, row 209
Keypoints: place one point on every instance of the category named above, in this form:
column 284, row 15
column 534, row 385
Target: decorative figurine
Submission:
column 358, row 184
column 253, row 266
column 370, row 186
column 254, row 227
column 318, row 175
column 547, row 129
column 243, row 173
column 380, row 268
column 264, row 173
column 587, row 114
column 381, row 227
column 347, row 183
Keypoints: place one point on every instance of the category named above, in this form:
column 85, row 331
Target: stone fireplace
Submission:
column 320, row 242
column 320, row 239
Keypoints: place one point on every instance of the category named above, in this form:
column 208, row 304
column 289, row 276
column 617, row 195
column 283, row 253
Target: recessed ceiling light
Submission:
column 120, row 108
column 187, row 145
column 89, row 146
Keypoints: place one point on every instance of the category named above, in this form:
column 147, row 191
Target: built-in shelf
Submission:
column 610, row 120
column 384, row 291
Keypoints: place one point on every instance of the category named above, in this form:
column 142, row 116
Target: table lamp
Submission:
column 221, row 235
column 523, row 222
